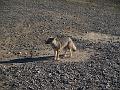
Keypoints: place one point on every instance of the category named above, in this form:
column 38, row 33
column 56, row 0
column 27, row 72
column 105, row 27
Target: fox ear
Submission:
column 51, row 36
column 55, row 38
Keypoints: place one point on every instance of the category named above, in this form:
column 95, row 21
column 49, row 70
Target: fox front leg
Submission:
column 70, row 52
column 58, row 55
column 55, row 55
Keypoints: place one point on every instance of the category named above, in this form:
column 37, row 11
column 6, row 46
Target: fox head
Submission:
column 49, row 40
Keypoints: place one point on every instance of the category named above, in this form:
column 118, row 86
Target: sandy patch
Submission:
column 79, row 56
column 93, row 36
column 98, row 37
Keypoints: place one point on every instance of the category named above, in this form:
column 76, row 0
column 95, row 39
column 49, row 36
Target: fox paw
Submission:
column 65, row 55
column 57, row 58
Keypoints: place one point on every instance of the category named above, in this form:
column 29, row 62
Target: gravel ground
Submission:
column 26, row 24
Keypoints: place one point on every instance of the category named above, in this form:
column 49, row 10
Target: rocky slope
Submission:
column 26, row 24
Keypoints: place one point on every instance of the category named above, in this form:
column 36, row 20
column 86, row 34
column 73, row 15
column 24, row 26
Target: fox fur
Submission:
column 61, row 43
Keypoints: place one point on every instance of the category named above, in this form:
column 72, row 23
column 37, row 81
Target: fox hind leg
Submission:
column 65, row 53
column 56, row 54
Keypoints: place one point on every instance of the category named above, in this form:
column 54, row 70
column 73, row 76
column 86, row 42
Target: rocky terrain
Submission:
column 27, row 63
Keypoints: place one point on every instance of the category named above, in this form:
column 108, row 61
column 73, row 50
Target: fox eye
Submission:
column 50, row 39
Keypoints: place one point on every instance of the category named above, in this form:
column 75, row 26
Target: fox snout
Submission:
column 46, row 42
column 49, row 40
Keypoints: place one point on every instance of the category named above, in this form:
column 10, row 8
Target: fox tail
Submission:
column 74, row 47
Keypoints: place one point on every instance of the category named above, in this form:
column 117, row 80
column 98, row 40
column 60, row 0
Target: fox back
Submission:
column 61, row 42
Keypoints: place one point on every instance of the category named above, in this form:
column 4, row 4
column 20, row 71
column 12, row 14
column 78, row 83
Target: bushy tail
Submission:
column 74, row 47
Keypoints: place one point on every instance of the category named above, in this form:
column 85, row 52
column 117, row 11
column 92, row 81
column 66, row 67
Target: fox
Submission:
column 60, row 43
